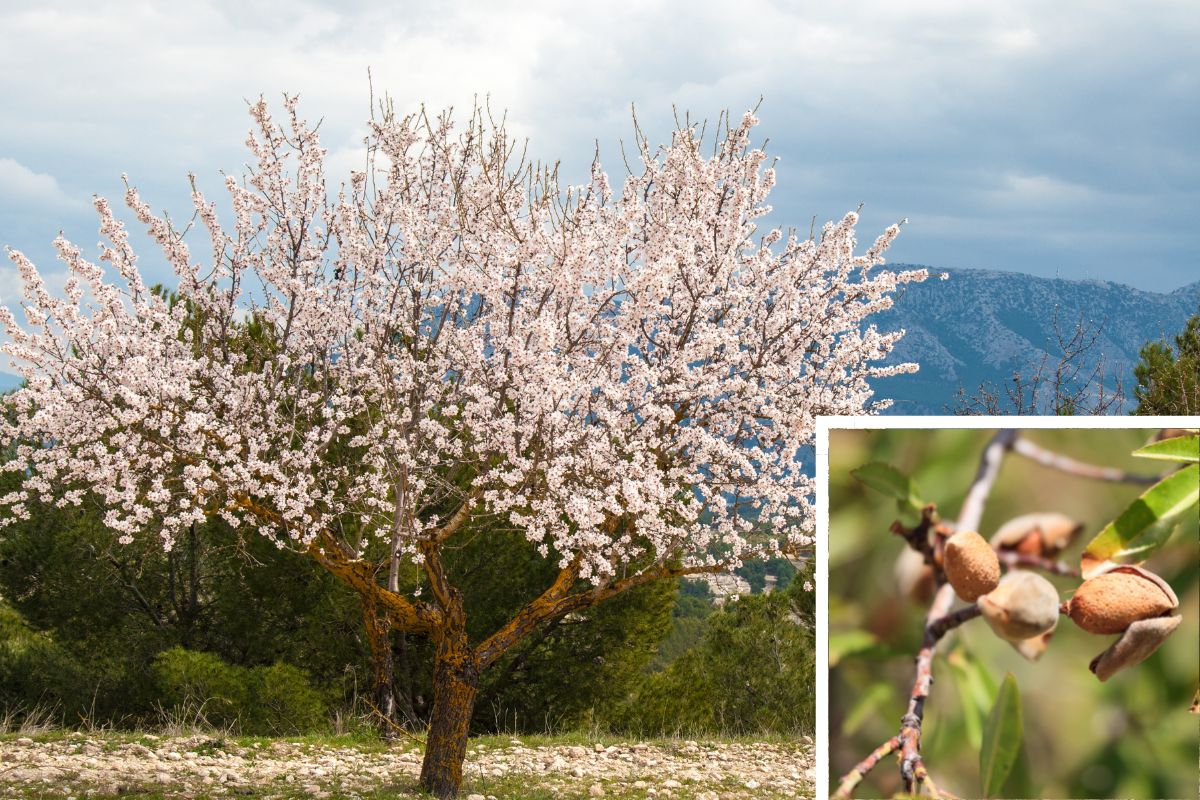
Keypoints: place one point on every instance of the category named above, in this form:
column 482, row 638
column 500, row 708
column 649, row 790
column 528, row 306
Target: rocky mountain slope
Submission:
column 983, row 325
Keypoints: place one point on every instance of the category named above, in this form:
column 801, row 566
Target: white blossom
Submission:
column 624, row 373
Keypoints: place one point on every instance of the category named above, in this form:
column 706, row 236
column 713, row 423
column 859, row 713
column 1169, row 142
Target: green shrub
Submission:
column 202, row 684
column 285, row 701
column 37, row 673
column 752, row 672
column 274, row 700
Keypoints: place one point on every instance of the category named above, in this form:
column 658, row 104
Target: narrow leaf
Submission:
column 1145, row 525
column 858, row 644
column 892, row 482
column 974, row 691
column 867, row 707
column 848, row 643
column 1178, row 448
column 1001, row 738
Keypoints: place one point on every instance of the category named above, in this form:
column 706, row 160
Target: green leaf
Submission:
column 976, row 692
column 1178, row 448
column 1146, row 524
column 867, row 707
column 858, row 644
column 892, row 482
column 848, row 643
column 1001, row 738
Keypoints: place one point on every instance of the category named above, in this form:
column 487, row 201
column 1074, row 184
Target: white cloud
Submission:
column 1041, row 190
column 929, row 107
column 22, row 188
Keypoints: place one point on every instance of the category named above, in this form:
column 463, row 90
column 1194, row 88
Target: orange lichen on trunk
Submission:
column 455, row 685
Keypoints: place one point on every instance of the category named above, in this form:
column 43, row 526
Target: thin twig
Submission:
column 391, row 723
column 985, row 478
column 912, row 768
column 939, row 620
column 854, row 777
column 1048, row 458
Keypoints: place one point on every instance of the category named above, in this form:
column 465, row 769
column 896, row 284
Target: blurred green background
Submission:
column 1129, row 737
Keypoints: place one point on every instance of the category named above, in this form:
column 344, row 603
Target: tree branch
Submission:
column 457, row 519
column 854, row 777
column 1049, row 458
column 556, row 602
column 938, row 621
column 985, row 478
column 359, row 575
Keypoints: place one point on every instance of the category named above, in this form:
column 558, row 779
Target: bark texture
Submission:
column 455, row 686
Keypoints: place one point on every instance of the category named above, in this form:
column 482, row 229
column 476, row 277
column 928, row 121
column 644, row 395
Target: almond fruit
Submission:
column 971, row 565
column 1136, row 644
column 914, row 577
column 1040, row 534
column 1023, row 606
column 1112, row 601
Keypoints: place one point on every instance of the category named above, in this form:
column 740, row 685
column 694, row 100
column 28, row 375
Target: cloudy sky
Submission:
column 1057, row 139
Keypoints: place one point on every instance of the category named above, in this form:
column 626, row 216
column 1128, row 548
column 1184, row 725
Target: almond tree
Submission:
column 629, row 376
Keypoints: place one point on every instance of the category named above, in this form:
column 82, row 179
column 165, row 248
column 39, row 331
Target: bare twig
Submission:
column 939, row 620
column 854, row 777
column 938, row 623
column 985, row 478
column 1049, row 458
column 1077, row 382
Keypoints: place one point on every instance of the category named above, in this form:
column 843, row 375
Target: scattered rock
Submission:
column 194, row 767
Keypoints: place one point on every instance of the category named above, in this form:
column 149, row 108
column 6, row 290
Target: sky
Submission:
column 1055, row 139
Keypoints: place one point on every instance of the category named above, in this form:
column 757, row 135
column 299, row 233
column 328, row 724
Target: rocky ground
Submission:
column 79, row 765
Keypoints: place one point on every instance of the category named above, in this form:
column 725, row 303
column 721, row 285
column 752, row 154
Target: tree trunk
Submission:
column 407, row 706
column 455, row 684
column 383, row 694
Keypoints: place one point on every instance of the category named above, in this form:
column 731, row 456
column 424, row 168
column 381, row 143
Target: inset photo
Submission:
column 1014, row 612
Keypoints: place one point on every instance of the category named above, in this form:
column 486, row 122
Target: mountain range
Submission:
column 981, row 326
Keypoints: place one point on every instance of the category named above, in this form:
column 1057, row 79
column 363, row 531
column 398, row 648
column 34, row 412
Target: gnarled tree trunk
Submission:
column 455, row 685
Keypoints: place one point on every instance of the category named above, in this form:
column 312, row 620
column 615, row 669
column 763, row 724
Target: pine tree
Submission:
column 1168, row 379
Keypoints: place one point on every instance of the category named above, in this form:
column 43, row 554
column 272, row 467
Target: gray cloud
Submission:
column 1056, row 139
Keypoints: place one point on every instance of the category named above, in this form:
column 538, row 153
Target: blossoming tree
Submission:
column 629, row 375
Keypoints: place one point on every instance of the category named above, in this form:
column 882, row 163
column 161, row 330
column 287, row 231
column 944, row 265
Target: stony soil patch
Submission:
column 101, row 766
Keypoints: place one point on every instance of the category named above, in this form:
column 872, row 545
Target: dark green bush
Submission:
column 37, row 673
column 203, row 686
column 753, row 672
column 285, row 702
column 274, row 700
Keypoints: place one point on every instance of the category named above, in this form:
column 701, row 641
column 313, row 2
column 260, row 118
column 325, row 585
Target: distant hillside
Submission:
column 8, row 382
column 982, row 325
